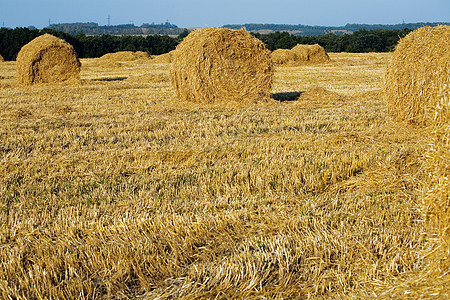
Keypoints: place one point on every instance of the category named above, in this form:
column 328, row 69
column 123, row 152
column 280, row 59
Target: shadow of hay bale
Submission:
column 110, row 79
column 286, row 96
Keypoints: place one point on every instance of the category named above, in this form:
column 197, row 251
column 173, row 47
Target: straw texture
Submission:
column 310, row 54
column 47, row 59
column 165, row 58
column 125, row 56
column 283, row 57
column 437, row 163
column 221, row 65
column 417, row 72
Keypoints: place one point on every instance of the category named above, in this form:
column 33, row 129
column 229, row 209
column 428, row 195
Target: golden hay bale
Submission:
column 47, row 59
column 1, row 58
column 283, row 57
column 310, row 54
column 437, row 164
column 418, row 70
column 124, row 56
column 222, row 65
column 165, row 58
column 319, row 94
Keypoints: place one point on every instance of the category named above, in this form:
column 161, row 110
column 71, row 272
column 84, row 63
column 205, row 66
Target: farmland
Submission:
column 111, row 188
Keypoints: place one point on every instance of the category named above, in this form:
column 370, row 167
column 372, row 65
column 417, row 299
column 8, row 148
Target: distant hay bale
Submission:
column 310, row 54
column 123, row 56
column 319, row 94
column 165, row 58
column 283, row 57
column 222, row 65
column 419, row 68
column 47, row 59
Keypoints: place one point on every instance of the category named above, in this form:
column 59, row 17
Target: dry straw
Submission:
column 283, row 57
column 215, row 65
column 124, row 56
column 165, row 58
column 47, row 59
column 310, row 54
column 418, row 70
column 437, row 163
column 1, row 58
column 322, row 95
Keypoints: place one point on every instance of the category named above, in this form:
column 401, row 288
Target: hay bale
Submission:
column 123, row 56
column 283, row 57
column 47, row 59
column 321, row 95
column 222, row 65
column 165, row 58
column 437, row 165
column 310, row 54
column 1, row 58
column 419, row 68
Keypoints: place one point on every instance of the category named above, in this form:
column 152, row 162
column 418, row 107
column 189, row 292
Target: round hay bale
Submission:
column 419, row 68
column 47, row 59
column 1, row 58
column 437, row 184
column 310, row 54
column 283, row 57
column 222, row 65
column 165, row 58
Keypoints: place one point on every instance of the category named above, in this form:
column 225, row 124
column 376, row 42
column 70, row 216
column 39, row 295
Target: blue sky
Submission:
column 203, row 13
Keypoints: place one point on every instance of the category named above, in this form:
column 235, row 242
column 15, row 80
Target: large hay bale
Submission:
column 283, row 57
column 419, row 68
column 222, row 65
column 47, row 59
column 437, row 187
column 310, row 54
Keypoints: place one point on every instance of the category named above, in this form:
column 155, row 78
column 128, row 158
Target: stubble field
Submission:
column 112, row 189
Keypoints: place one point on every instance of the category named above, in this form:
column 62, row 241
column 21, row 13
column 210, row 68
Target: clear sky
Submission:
column 202, row 13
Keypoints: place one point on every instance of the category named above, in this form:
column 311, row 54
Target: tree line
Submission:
column 124, row 29
column 378, row 40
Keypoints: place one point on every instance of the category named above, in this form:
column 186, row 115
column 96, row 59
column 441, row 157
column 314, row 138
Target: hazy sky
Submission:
column 201, row 13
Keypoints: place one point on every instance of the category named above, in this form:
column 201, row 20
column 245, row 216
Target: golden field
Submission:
column 112, row 189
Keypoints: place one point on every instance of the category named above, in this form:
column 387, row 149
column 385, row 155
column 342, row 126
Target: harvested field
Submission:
column 110, row 190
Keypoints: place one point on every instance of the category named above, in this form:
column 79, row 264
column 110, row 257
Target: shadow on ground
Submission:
column 287, row 96
column 110, row 79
